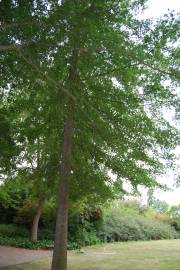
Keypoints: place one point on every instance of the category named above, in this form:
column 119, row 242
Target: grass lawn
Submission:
column 152, row 255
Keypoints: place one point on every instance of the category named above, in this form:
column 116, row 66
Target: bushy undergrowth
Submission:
column 17, row 236
column 122, row 221
column 83, row 232
column 46, row 234
column 135, row 228
column 85, row 236
column 129, row 220
column 12, row 230
column 40, row 244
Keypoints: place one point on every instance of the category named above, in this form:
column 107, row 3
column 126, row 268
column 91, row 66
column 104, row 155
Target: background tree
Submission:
column 37, row 162
column 8, row 147
column 160, row 206
column 174, row 213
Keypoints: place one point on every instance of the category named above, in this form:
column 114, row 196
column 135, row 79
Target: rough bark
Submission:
column 35, row 223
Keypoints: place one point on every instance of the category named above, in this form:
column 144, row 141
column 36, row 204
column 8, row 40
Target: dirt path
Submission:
column 12, row 256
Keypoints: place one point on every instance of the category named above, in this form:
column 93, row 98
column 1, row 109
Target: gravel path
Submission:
column 12, row 256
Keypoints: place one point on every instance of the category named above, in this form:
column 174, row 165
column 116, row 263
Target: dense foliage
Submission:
column 120, row 77
column 134, row 222
column 85, row 83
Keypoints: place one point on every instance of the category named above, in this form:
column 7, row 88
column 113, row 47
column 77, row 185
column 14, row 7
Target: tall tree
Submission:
column 108, row 76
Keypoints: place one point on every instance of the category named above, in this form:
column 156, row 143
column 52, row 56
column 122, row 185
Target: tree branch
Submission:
column 158, row 69
column 16, row 46
column 4, row 26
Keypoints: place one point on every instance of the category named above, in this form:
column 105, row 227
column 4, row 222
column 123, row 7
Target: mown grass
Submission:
column 152, row 255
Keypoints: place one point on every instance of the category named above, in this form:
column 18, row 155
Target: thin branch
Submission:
column 16, row 46
column 101, row 50
column 4, row 26
column 114, row 70
column 107, row 72
column 158, row 69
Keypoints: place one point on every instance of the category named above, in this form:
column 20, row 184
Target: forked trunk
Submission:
column 35, row 223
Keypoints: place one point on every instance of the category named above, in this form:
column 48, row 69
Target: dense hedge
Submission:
column 135, row 228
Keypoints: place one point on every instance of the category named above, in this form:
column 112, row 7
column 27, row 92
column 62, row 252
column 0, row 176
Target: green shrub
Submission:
column 73, row 246
column 135, row 228
column 15, row 231
column 84, row 234
column 46, row 234
column 176, row 224
column 12, row 230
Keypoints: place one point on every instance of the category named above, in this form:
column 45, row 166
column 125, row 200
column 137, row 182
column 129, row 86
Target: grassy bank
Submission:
column 158, row 255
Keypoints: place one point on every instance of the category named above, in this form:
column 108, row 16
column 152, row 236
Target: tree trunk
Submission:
column 35, row 224
column 59, row 261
